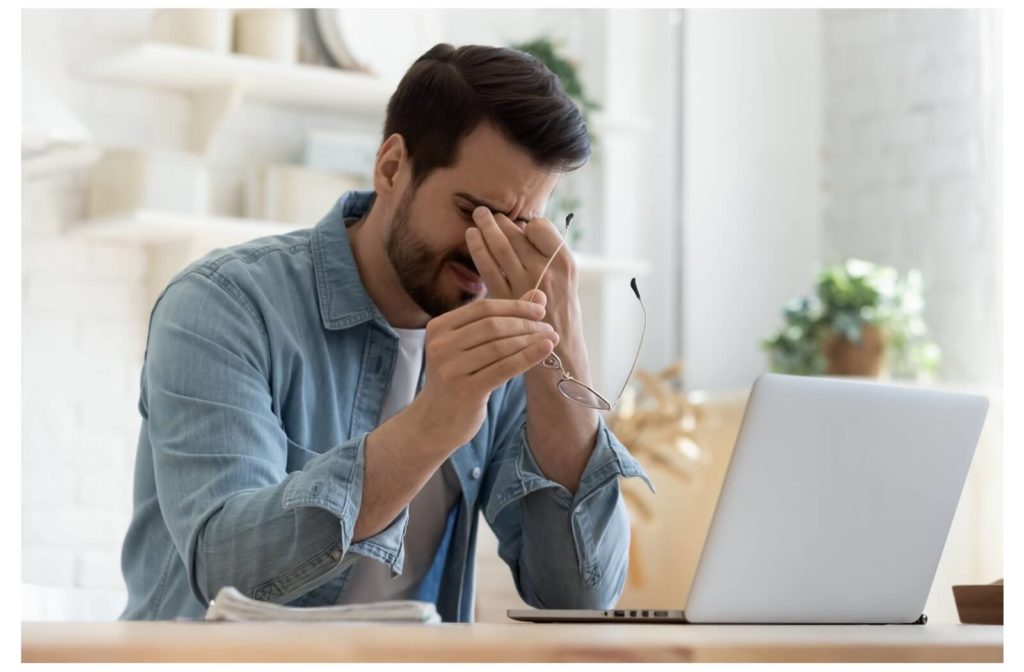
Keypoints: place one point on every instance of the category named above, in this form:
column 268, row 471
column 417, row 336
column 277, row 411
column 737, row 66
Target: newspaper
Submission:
column 231, row 605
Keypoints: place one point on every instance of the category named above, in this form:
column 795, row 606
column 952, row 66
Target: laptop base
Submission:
column 638, row 616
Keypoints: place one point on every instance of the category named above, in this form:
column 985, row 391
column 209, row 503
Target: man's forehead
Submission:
column 492, row 171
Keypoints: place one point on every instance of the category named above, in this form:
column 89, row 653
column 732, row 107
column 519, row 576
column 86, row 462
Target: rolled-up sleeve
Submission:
column 565, row 550
column 235, row 514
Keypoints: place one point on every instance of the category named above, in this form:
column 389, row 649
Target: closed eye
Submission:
column 468, row 214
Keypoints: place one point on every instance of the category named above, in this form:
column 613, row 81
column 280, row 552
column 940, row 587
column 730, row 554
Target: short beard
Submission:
column 415, row 264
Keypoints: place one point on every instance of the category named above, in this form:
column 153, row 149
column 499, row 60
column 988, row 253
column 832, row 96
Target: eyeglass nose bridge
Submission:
column 552, row 362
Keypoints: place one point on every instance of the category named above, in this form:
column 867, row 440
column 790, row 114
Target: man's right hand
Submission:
column 470, row 352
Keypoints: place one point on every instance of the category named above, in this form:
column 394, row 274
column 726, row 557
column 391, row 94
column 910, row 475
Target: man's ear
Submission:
column 392, row 161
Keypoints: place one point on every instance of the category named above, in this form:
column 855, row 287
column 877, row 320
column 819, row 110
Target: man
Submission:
column 326, row 412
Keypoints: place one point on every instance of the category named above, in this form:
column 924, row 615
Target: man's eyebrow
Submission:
column 479, row 201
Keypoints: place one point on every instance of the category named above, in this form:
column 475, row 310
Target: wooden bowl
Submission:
column 981, row 604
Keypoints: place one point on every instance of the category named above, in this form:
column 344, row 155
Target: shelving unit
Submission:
column 188, row 70
column 218, row 83
column 44, row 155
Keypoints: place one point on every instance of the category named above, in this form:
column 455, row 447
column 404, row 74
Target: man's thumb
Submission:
column 535, row 296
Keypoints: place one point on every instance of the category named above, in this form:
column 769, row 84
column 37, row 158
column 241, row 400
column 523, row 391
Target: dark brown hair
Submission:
column 448, row 91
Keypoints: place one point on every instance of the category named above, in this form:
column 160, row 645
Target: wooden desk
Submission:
column 504, row 642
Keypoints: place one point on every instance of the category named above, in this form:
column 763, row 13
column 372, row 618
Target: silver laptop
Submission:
column 834, row 509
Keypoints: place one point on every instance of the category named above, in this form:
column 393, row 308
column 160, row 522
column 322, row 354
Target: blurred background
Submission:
column 807, row 191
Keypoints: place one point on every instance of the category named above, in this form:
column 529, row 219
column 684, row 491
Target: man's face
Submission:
column 426, row 241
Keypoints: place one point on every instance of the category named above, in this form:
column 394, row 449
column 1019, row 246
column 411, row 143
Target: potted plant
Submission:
column 864, row 320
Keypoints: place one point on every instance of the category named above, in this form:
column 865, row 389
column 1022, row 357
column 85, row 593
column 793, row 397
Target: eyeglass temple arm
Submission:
column 643, row 331
column 632, row 284
column 568, row 221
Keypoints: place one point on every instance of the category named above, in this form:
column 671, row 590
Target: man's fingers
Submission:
column 488, row 353
column 499, row 372
column 488, row 267
column 493, row 328
column 535, row 296
column 478, row 310
column 498, row 244
column 528, row 254
column 543, row 235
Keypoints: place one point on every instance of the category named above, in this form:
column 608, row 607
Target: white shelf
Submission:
column 42, row 154
column 148, row 227
column 218, row 83
column 190, row 70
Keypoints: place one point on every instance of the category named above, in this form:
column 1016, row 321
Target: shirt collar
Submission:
column 343, row 299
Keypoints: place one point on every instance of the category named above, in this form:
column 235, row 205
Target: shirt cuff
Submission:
column 608, row 461
column 334, row 481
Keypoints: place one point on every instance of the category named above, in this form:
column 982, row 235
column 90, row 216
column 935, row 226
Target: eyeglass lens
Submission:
column 581, row 394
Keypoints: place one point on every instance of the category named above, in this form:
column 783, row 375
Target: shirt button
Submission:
column 579, row 507
column 476, row 472
column 335, row 555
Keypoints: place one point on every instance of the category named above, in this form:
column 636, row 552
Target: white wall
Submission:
column 815, row 136
column 907, row 168
column 751, row 183
column 83, row 335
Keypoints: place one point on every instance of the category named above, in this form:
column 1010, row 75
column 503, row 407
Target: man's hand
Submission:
column 510, row 259
column 470, row 352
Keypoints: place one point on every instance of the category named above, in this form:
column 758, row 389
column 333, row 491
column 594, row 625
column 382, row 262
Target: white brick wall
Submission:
column 905, row 167
column 85, row 305
column 82, row 315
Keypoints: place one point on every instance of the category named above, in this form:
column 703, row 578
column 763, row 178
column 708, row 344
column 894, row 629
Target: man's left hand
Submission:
column 510, row 259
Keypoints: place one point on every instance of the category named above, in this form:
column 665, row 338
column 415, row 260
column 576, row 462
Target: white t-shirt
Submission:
column 428, row 511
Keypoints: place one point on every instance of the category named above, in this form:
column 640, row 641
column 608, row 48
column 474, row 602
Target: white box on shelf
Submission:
column 295, row 194
column 341, row 152
column 209, row 29
column 126, row 179
column 272, row 34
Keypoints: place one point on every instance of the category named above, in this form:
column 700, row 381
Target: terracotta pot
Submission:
column 843, row 358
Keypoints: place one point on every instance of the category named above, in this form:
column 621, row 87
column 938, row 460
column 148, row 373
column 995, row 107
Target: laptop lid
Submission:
column 836, row 504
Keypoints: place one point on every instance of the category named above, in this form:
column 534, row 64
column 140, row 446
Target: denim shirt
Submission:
column 267, row 364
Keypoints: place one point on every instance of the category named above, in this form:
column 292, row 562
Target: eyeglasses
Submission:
column 575, row 390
